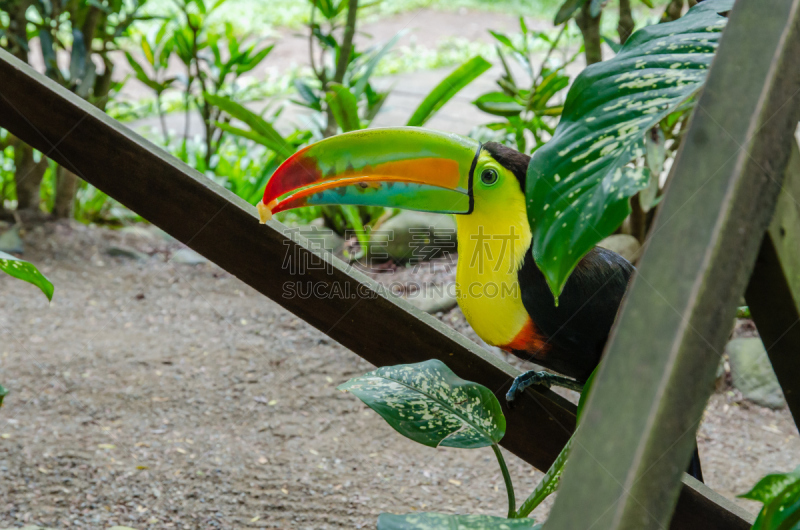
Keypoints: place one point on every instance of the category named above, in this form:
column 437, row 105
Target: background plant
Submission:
column 87, row 32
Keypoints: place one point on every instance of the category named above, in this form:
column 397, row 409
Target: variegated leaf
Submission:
column 438, row 521
column 579, row 183
column 27, row 272
column 430, row 404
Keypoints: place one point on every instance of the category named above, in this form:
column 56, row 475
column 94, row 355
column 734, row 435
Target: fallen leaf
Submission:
column 262, row 460
column 106, row 446
column 454, row 482
column 285, row 491
column 5, row 436
column 273, row 402
column 254, row 519
column 43, row 471
column 313, row 452
column 181, row 451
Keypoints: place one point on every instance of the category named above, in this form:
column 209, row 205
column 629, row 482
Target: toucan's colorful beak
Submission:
column 401, row 167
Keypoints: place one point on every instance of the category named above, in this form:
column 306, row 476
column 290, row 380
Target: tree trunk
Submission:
column 590, row 29
column 343, row 60
column 625, row 25
column 28, row 176
column 673, row 11
column 66, row 188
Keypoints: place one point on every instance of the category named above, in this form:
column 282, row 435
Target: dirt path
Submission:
column 161, row 395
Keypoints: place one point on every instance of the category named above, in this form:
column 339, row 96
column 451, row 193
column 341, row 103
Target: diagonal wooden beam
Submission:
column 382, row 329
column 773, row 293
column 639, row 426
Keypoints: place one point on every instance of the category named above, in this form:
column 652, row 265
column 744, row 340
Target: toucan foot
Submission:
column 532, row 377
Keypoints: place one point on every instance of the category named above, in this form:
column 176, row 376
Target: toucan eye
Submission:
column 489, row 176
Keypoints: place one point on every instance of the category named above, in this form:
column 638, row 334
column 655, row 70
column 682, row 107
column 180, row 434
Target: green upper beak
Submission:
column 399, row 167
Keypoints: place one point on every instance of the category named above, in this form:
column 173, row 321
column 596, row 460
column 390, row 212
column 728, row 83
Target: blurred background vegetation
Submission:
column 170, row 63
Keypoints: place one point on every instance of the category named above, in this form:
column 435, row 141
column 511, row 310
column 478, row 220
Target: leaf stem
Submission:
column 512, row 503
column 547, row 485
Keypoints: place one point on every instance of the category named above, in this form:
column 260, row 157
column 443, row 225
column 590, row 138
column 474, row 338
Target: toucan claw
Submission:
column 532, row 377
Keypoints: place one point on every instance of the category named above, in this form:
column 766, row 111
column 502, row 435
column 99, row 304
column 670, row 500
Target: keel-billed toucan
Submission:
column 501, row 291
column 503, row 294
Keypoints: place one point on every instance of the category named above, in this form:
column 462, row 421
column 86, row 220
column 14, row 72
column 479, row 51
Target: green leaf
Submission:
column 3, row 394
column 780, row 494
column 344, row 106
column 258, row 124
column 595, row 6
column 587, row 388
column 77, row 61
column 503, row 39
column 148, row 52
column 549, row 482
column 352, row 216
column 655, row 154
column 429, row 404
column 578, row 184
column 612, row 43
column 361, row 84
column 27, row 272
column 449, row 87
column 499, row 104
column 769, row 487
column 439, row 521
column 566, row 10
column 648, row 3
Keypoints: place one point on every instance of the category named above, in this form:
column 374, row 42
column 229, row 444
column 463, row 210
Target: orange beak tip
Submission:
column 264, row 213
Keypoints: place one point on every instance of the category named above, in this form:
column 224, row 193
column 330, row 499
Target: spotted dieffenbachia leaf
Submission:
column 430, row 404
column 438, row 521
column 780, row 494
column 579, row 183
column 25, row 271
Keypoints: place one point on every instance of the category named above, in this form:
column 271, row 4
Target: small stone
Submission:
column 187, row 256
column 414, row 236
column 752, row 372
column 138, row 231
column 126, row 252
column 441, row 298
column 10, row 242
column 625, row 245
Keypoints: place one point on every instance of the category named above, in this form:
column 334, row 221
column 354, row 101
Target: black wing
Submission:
column 578, row 328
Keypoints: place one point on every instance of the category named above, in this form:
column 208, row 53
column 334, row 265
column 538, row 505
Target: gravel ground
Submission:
column 160, row 395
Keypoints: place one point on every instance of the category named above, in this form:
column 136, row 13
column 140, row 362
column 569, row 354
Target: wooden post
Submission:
column 774, row 289
column 638, row 429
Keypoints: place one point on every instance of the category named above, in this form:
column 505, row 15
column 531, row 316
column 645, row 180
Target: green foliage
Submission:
column 780, row 494
column 429, row 404
column 437, row 521
column 3, row 394
column 447, row 88
column 344, row 106
column 528, row 107
column 26, row 272
column 579, row 183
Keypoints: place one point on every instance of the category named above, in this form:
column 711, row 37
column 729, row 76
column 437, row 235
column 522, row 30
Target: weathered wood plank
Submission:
column 383, row 330
column 639, row 426
column 773, row 293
